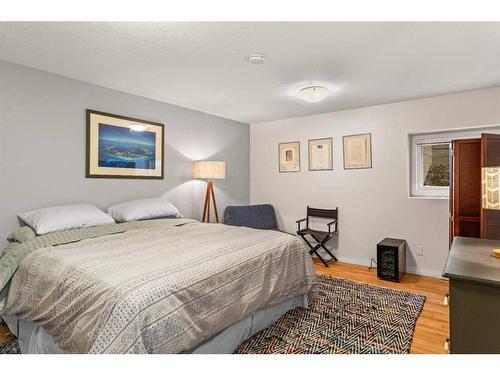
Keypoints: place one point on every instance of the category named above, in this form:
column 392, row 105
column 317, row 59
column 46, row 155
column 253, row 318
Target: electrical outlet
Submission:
column 420, row 250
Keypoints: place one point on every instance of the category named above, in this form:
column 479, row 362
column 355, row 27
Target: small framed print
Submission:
column 321, row 154
column 357, row 151
column 123, row 147
column 289, row 157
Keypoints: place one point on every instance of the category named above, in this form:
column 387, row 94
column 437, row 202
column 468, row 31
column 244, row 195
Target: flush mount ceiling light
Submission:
column 137, row 127
column 256, row 58
column 313, row 94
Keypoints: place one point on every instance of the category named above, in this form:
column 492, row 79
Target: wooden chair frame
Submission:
column 321, row 237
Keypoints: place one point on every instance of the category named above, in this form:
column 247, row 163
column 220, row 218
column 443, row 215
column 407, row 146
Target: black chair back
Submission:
column 320, row 212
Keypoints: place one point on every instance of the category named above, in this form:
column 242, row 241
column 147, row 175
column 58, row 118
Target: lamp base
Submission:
column 210, row 196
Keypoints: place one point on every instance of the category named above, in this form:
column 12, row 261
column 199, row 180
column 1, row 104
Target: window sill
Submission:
column 427, row 197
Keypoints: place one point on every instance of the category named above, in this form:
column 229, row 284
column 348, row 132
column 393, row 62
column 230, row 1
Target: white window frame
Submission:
column 415, row 140
column 421, row 189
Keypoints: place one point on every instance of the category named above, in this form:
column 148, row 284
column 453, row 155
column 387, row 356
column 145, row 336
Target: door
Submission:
column 490, row 157
column 466, row 188
column 452, row 192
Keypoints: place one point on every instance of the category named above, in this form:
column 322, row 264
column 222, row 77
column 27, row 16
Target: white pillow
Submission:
column 142, row 209
column 70, row 216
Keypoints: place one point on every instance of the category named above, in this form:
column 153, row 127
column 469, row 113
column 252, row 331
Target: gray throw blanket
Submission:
column 160, row 288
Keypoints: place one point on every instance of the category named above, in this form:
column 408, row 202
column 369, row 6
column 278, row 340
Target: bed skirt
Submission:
column 34, row 339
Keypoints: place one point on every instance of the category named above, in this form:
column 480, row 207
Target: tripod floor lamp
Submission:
column 210, row 170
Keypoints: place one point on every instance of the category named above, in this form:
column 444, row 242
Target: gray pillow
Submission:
column 143, row 209
column 51, row 219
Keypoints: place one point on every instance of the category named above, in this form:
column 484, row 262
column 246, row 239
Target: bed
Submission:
column 152, row 286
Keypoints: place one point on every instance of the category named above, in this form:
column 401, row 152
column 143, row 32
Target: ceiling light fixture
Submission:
column 256, row 58
column 137, row 127
column 313, row 94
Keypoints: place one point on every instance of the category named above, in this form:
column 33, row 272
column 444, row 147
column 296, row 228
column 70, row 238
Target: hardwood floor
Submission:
column 432, row 325
column 5, row 334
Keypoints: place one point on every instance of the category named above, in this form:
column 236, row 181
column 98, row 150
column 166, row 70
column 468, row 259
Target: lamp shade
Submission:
column 209, row 169
column 490, row 177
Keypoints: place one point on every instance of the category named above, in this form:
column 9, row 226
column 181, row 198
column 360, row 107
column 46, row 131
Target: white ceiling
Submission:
column 201, row 65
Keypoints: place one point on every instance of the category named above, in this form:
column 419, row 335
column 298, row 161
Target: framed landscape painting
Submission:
column 123, row 147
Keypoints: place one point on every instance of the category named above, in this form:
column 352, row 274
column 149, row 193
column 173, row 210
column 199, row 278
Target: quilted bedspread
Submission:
column 155, row 289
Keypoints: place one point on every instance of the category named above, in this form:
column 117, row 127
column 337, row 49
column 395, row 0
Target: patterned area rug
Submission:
column 343, row 317
column 10, row 347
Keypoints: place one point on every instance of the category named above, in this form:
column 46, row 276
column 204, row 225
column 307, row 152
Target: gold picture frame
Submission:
column 320, row 154
column 289, row 157
column 357, row 151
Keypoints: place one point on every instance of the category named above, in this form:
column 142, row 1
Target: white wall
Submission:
column 373, row 203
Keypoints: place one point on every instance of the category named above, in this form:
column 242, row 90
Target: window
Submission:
column 429, row 159
column 433, row 178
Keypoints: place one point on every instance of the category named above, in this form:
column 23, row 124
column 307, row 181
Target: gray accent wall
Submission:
column 42, row 147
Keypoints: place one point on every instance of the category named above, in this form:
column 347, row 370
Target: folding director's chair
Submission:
column 321, row 237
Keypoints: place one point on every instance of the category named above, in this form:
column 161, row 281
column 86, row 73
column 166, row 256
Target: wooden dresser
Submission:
column 474, row 296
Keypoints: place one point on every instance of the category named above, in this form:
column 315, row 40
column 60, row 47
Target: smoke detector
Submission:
column 255, row 58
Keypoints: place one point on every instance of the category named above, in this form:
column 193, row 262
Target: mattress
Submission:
column 33, row 339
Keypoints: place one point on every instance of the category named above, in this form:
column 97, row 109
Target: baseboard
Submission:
column 415, row 271
column 358, row 261
column 425, row 272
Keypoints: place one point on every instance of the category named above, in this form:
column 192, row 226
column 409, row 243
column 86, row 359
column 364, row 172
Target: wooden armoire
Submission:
column 467, row 216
